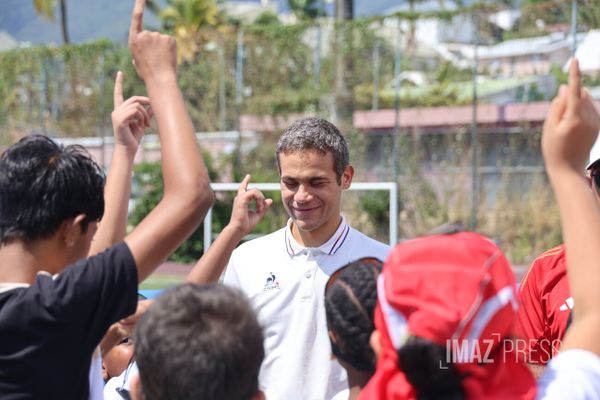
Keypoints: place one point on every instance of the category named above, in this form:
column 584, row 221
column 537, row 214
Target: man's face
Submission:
column 310, row 192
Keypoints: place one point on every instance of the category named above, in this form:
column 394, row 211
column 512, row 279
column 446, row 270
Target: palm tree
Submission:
column 46, row 9
column 306, row 9
column 188, row 20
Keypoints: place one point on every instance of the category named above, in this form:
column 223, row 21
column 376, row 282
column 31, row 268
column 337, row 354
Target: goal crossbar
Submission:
column 390, row 187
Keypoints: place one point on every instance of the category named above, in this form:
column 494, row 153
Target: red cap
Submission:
column 459, row 292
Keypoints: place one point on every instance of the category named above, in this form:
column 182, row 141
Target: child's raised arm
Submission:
column 570, row 129
column 129, row 119
column 187, row 193
column 243, row 219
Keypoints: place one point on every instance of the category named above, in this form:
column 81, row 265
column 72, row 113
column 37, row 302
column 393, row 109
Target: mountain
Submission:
column 94, row 19
column 87, row 20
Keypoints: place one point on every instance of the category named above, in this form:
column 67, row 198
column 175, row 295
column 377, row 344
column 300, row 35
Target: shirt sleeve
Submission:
column 231, row 277
column 573, row 374
column 91, row 294
column 531, row 329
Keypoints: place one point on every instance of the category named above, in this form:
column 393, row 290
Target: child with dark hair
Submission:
column 244, row 218
column 55, row 309
column 199, row 342
column 129, row 119
column 445, row 305
column 350, row 298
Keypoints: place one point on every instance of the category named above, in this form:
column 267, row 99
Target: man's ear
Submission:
column 333, row 337
column 78, row 221
column 105, row 376
column 347, row 177
column 334, row 341
column 375, row 342
column 71, row 229
column 260, row 395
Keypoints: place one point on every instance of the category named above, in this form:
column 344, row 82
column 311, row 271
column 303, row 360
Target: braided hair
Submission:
column 350, row 298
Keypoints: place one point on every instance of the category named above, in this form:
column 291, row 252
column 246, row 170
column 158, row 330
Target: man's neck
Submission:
column 20, row 262
column 316, row 237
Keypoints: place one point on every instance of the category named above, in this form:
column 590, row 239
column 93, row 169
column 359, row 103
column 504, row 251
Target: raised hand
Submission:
column 571, row 126
column 187, row 193
column 243, row 218
column 131, row 320
column 570, row 129
column 129, row 118
column 154, row 54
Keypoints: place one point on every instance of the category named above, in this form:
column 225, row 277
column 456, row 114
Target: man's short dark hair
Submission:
column 199, row 342
column 318, row 135
column 42, row 184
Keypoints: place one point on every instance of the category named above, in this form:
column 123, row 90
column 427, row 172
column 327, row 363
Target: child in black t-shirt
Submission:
column 54, row 309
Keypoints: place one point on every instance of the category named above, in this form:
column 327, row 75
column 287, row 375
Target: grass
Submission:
column 155, row 281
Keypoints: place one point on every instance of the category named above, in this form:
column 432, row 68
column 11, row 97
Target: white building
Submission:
column 588, row 53
column 520, row 57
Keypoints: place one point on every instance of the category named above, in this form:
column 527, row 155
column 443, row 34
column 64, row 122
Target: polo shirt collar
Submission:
column 329, row 247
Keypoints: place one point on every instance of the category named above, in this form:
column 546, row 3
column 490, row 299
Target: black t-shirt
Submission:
column 49, row 330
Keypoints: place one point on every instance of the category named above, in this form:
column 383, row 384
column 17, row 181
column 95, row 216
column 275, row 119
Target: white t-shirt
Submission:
column 285, row 283
column 572, row 374
column 96, row 381
column 121, row 381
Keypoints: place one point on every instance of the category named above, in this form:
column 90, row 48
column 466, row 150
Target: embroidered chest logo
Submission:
column 271, row 283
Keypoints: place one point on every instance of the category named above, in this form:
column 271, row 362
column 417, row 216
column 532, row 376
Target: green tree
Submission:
column 267, row 18
column 559, row 11
column 148, row 182
column 589, row 13
column 306, row 9
column 191, row 22
column 46, row 9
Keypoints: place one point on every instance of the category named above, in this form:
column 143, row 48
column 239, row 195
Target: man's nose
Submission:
column 303, row 194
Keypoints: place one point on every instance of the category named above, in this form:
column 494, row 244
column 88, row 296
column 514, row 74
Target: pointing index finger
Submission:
column 137, row 17
column 574, row 79
column 244, row 185
column 118, row 92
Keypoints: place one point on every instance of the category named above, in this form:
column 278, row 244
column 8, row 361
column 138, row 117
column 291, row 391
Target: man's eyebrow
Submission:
column 310, row 178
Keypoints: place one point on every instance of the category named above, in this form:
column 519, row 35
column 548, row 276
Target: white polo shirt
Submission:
column 285, row 283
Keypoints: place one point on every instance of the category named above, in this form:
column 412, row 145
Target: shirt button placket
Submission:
column 309, row 272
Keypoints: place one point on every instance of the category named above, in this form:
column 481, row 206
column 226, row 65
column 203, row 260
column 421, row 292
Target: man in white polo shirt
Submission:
column 284, row 273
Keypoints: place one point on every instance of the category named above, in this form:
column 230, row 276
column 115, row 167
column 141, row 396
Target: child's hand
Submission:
column 244, row 218
column 571, row 126
column 131, row 320
column 154, row 54
column 129, row 118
